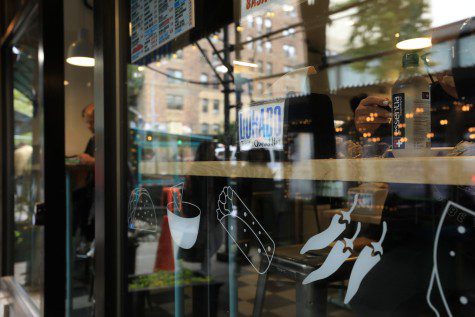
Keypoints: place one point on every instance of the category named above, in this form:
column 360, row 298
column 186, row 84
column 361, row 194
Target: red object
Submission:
column 164, row 260
column 167, row 197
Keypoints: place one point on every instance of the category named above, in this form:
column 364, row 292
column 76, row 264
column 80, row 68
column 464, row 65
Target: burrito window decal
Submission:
column 141, row 211
column 236, row 218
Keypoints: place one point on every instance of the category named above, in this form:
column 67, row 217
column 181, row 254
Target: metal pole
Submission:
column 238, row 81
column 226, row 91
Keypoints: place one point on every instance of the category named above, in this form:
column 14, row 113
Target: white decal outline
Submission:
column 221, row 214
column 132, row 209
column 435, row 271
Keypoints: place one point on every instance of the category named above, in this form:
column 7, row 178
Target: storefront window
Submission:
column 327, row 168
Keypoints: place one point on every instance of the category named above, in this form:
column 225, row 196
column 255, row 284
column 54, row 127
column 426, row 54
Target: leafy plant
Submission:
column 166, row 279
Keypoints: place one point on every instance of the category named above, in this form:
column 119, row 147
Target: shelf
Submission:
column 424, row 170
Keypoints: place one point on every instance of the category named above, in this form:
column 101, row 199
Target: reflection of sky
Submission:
column 346, row 76
column 448, row 11
column 441, row 12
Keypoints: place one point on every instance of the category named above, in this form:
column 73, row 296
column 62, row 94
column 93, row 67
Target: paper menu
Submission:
column 156, row 22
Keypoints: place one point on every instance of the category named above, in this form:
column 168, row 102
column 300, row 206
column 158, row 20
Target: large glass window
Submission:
column 331, row 175
column 175, row 102
column 174, row 76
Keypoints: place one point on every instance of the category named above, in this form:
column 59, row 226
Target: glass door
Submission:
column 28, row 162
column 33, row 198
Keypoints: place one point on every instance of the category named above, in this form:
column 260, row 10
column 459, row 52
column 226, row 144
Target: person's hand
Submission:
column 86, row 159
column 369, row 116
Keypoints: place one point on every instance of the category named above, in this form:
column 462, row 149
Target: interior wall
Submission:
column 78, row 80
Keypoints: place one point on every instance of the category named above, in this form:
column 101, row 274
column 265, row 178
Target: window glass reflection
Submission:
column 322, row 152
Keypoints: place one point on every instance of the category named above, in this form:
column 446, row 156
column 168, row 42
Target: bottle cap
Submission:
column 410, row 59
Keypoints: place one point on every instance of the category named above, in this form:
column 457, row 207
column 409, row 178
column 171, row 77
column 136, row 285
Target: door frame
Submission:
column 110, row 86
column 51, row 96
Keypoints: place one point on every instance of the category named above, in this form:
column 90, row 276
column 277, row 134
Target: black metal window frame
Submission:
column 111, row 55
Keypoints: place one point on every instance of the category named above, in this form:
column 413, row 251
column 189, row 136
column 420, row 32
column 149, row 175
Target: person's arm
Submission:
column 86, row 159
column 364, row 121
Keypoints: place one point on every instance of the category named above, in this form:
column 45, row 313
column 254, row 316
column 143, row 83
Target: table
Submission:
column 311, row 298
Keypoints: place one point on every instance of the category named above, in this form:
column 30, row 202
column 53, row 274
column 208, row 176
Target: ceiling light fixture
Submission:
column 81, row 52
column 245, row 64
column 416, row 43
column 222, row 69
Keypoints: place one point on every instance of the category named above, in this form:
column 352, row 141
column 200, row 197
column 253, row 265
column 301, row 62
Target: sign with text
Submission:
column 252, row 6
column 261, row 127
column 398, row 122
column 258, row 6
column 156, row 22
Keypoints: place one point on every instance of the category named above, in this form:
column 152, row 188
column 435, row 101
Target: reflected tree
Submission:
column 378, row 25
column 135, row 81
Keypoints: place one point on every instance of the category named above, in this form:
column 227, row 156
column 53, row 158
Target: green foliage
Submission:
column 162, row 279
column 376, row 24
column 18, row 237
column 22, row 104
column 135, row 81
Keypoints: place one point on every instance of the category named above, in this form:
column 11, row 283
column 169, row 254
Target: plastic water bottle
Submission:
column 410, row 110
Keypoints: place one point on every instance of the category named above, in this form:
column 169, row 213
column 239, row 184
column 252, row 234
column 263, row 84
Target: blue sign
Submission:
column 261, row 127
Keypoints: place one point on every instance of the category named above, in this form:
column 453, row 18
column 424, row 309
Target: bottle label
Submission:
column 421, row 122
column 398, row 122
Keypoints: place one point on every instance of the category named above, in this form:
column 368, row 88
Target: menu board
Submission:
column 156, row 22
column 261, row 126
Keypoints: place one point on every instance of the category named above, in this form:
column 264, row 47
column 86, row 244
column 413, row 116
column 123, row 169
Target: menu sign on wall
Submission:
column 261, row 127
column 156, row 22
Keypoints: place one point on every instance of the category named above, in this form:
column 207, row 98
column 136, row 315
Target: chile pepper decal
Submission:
column 336, row 227
column 340, row 252
column 368, row 258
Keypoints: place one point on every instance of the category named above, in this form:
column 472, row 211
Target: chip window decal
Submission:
column 184, row 223
column 183, row 217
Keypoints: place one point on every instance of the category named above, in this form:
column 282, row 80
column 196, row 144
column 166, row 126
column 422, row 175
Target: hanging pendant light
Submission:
column 81, row 52
column 416, row 43
column 411, row 38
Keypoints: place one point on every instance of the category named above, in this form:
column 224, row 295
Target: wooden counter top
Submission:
column 425, row 170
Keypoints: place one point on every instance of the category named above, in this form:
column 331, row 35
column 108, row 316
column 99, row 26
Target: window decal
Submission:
column 338, row 224
column 367, row 259
column 236, row 219
column 340, row 252
column 183, row 218
column 435, row 277
column 184, row 229
column 142, row 216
